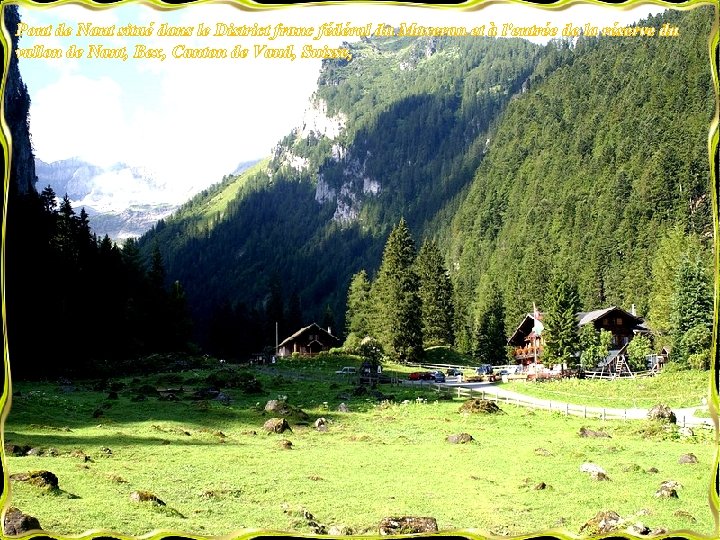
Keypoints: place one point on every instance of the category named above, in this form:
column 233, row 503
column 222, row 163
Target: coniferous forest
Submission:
column 461, row 181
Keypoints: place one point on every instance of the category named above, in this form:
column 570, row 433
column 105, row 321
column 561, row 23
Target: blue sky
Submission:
column 192, row 121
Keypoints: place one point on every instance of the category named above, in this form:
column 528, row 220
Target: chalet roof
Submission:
column 524, row 329
column 586, row 317
column 313, row 326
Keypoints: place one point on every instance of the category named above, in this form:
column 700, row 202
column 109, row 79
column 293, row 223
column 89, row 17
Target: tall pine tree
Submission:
column 394, row 295
column 490, row 335
column 436, row 296
column 562, row 341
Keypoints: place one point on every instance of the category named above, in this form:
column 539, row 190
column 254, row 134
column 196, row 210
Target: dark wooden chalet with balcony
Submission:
column 308, row 341
column 623, row 326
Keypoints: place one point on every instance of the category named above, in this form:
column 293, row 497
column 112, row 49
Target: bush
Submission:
column 700, row 361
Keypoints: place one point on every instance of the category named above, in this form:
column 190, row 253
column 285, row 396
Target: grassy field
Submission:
column 218, row 471
column 675, row 389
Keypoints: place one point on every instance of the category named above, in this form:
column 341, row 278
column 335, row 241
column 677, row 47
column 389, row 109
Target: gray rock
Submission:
column 688, row 458
column 343, row 408
column 662, row 412
column 407, row 525
column 460, row 438
column 276, row 425
column 591, row 468
column 146, row 496
column 17, row 523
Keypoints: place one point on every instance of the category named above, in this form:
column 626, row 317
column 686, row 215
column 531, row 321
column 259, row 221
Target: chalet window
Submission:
column 605, row 321
column 619, row 321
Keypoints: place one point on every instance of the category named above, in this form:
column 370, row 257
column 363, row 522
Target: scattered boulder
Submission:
column 321, row 424
column 281, row 407
column 16, row 450
column 285, row 444
column 662, row 412
column 604, row 522
column 591, row 468
column 585, row 432
column 685, row 515
column 343, row 408
column 146, row 496
column 42, row 479
column 482, row 406
column 17, row 523
column 276, row 425
column 600, row 476
column 540, row 486
column 460, row 438
column 688, row 458
column 407, row 525
column 632, row 467
column 543, row 452
column 652, row 470
column 668, row 490
column 666, row 493
column 340, row 530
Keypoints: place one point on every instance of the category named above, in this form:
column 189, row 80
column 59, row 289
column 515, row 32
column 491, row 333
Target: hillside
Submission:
column 521, row 159
column 587, row 178
column 397, row 131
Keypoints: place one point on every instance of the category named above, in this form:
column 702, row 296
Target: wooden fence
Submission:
column 601, row 413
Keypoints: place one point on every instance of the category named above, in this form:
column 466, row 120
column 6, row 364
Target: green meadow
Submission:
column 217, row 470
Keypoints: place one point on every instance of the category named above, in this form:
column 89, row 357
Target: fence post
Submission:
column 585, row 411
column 603, row 414
column 567, row 409
column 459, row 392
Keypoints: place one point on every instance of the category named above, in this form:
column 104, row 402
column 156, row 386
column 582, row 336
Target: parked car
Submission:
column 347, row 370
column 437, row 376
column 419, row 376
column 452, row 372
column 484, row 369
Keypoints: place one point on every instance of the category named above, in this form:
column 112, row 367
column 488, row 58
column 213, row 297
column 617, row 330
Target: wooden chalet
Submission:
column 308, row 341
column 623, row 326
column 528, row 345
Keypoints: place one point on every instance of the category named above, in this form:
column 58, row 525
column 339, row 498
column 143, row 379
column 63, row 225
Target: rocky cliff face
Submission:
column 17, row 106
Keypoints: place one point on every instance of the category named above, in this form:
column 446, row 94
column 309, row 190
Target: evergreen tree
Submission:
column 672, row 248
column 396, row 321
column 561, row 331
column 436, row 296
column 491, row 337
column 692, row 307
column 358, row 306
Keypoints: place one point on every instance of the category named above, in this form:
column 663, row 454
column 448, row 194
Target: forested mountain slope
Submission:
column 589, row 170
column 520, row 159
column 397, row 131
